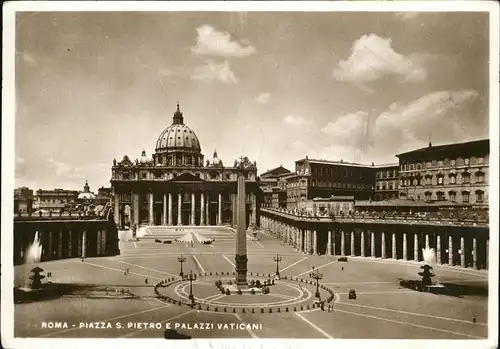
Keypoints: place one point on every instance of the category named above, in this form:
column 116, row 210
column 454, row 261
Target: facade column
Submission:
column 60, row 245
column 393, row 247
column 342, row 243
column 84, row 244
column 219, row 215
column 135, row 208
column 462, row 250
column 202, row 208
column 363, row 244
column 405, row 247
column 207, row 210
column 333, row 243
column 329, row 244
column 450, row 250
column 474, row 252
column 104, row 243
column 438, row 249
column 170, row 209
column 383, row 245
column 427, row 245
column 151, row 209
column 193, row 203
column 415, row 247
column 164, row 216
column 116, row 211
column 353, row 245
column 315, row 242
column 372, row 244
column 179, row 208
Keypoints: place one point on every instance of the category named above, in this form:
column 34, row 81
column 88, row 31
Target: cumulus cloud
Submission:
column 373, row 57
column 66, row 171
column 296, row 120
column 448, row 116
column 263, row 98
column 213, row 71
column 213, row 43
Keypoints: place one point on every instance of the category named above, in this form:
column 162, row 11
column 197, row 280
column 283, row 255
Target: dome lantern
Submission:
column 178, row 117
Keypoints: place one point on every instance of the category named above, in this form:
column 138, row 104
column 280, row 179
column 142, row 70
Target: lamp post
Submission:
column 316, row 275
column 181, row 260
column 277, row 259
column 191, row 277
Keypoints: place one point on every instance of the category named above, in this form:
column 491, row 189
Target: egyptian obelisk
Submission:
column 241, row 233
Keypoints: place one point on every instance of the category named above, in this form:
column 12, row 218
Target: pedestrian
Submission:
column 146, row 281
column 474, row 319
column 342, row 268
column 128, row 271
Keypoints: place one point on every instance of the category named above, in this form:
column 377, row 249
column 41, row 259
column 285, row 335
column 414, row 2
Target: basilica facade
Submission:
column 177, row 186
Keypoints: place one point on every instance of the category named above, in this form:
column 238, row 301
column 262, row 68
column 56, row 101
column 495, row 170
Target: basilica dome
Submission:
column 178, row 137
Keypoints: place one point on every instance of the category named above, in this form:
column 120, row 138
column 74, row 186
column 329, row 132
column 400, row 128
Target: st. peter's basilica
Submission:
column 177, row 186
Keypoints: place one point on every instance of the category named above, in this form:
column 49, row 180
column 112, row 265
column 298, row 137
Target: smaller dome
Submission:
column 86, row 196
column 215, row 160
column 144, row 159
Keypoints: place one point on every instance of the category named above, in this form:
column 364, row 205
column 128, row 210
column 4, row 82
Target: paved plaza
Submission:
column 382, row 310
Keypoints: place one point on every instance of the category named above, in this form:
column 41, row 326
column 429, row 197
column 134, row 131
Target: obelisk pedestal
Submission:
column 241, row 235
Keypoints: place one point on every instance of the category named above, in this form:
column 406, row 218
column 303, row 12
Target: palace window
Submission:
column 465, row 197
column 440, row 163
column 428, row 196
column 428, row 180
column 479, row 177
column 452, row 162
column 466, row 161
column 453, row 178
column 440, row 196
column 144, row 175
column 479, row 196
column 480, row 160
column 453, row 195
column 440, row 178
column 466, row 177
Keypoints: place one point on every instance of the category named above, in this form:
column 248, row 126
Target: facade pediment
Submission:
column 186, row 177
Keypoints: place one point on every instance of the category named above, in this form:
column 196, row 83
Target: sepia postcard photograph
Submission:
column 239, row 175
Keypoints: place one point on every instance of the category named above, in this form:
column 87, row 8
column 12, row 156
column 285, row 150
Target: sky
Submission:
column 275, row 86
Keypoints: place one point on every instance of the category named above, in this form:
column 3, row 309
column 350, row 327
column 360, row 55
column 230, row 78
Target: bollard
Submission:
column 216, row 309
column 224, row 309
column 262, row 310
column 253, row 311
column 279, row 310
column 270, row 310
column 210, row 273
column 234, row 310
column 286, row 309
column 242, row 310
column 199, row 307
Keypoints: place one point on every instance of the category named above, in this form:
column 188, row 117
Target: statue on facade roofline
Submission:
column 208, row 163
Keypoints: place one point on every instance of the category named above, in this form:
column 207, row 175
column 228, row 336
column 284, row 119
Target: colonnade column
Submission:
column 363, row 244
column 254, row 209
column 405, row 247
column 353, row 246
column 315, row 242
column 50, row 250
column 179, row 208
column 301, row 240
column 393, row 247
column 164, row 216
column 462, row 250
column 329, row 244
column 333, row 242
column 219, row 215
column 193, row 203
column 383, row 245
column 415, row 247
column 438, row 249
column 450, row 250
column 169, row 208
column 70, row 243
column 342, row 243
column 474, row 252
column 202, row 208
column 84, row 244
column 207, row 211
column 60, row 244
column 104, row 243
column 372, row 245
column 98, row 244
column 151, row 213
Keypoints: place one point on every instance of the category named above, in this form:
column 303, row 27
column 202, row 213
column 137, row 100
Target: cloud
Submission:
column 212, row 70
column 296, row 120
column 213, row 43
column 28, row 58
column 66, row 171
column 263, row 98
column 373, row 57
column 298, row 144
column 406, row 15
column 448, row 116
